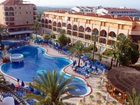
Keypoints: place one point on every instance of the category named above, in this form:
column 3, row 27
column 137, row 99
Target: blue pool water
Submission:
column 36, row 61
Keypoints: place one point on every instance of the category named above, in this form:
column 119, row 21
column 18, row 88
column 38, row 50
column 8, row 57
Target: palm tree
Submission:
column 94, row 38
column 52, row 87
column 125, row 51
column 36, row 25
column 5, row 88
column 3, row 31
column 78, row 49
column 133, row 98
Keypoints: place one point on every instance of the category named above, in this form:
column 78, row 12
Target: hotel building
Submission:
column 18, row 16
column 85, row 27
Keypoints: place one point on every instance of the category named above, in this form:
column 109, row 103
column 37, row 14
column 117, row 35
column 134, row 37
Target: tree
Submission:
column 5, row 88
column 53, row 36
column 46, row 37
column 78, row 49
column 36, row 25
column 53, row 88
column 3, row 31
column 125, row 51
column 63, row 40
column 94, row 38
column 133, row 98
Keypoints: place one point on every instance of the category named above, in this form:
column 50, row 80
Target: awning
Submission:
column 20, row 32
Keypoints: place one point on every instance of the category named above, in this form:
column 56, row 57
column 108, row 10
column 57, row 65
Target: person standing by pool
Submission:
column 18, row 84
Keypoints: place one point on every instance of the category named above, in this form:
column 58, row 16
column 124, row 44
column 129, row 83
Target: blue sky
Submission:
column 69, row 3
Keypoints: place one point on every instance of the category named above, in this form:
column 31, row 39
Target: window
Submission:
column 11, row 24
column 11, row 8
column 75, row 20
column 88, row 21
column 68, row 18
column 11, row 19
column 64, row 24
column 6, row 13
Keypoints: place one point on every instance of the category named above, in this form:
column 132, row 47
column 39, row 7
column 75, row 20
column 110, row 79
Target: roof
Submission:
column 108, row 16
column 85, row 7
column 125, row 79
column 12, row 2
column 121, row 9
column 15, row 2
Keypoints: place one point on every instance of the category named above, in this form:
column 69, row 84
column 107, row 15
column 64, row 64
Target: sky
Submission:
column 71, row 3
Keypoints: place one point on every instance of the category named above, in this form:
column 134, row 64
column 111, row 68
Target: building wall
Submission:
column 18, row 17
column 108, row 29
column 2, row 16
column 23, row 14
column 19, row 14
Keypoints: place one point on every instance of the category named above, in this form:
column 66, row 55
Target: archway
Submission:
column 103, row 33
column 69, row 26
column 54, row 23
column 42, row 20
column 75, row 27
column 112, row 34
column 81, row 29
column 95, row 31
column 88, row 29
column 50, row 21
column 59, row 24
column 46, row 21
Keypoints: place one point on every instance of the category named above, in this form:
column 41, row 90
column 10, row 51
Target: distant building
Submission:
column 106, row 11
column 119, row 12
column 81, row 9
column 18, row 16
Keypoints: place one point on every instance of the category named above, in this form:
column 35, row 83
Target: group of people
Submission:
column 19, row 84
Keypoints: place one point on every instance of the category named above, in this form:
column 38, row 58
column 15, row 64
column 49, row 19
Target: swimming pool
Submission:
column 36, row 61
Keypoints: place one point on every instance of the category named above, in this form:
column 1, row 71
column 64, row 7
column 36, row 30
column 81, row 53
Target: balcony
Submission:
column 102, row 40
column 110, row 42
column 46, row 26
column 81, row 35
column 68, row 32
column 9, row 9
column 88, row 37
column 54, row 29
column 49, row 27
column 9, row 13
column 74, row 34
column 9, row 19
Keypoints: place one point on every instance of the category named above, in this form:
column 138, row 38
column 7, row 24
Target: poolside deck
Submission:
column 97, row 84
